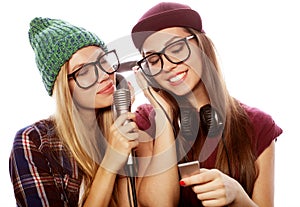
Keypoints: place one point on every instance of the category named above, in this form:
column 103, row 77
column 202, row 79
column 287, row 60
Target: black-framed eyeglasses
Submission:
column 176, row 52
column 87, row 75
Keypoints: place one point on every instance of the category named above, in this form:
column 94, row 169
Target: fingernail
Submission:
column 135, row 68
column 182, row 183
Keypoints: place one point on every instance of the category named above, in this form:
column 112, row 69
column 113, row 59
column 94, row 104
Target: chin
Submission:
column 103, row 103
column 181, row 92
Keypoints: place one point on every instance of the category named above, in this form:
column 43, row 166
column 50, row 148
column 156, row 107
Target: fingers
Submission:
column 124, row 127
column 211, row 187
column 123, row 139
column 140, row 79
column 132, row 93
column 149, row 92
column 205, row 176
column 212, row 194
column 123, row 135
column 123, row 118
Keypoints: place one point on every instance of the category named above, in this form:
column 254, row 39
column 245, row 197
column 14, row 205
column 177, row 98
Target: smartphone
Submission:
column 189, row 168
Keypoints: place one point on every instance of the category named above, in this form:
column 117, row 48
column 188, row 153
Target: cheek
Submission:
column 195, row 75
column 84, row 98
column 195, row 63
column 72, row 86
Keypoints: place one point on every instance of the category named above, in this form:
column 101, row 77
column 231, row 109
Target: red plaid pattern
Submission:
column 41, row 170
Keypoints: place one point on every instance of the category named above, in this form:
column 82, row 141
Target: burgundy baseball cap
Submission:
column 164, row 15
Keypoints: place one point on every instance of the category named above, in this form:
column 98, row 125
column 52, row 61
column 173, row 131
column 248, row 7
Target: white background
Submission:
column 257, row 41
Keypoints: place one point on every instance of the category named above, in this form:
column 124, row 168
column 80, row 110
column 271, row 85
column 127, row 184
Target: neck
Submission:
column 198, row 97
column 88, row 117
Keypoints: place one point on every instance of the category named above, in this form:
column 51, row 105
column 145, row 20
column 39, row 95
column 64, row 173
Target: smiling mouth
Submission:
column 178, row 77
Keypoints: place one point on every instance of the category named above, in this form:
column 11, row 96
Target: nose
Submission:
column 102, row 76
column 167, row 65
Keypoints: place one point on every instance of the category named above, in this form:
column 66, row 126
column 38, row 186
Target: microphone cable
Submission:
column 122, row 104
column 131, row 182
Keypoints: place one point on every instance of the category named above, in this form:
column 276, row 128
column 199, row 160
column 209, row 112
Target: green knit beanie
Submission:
column 54, row 42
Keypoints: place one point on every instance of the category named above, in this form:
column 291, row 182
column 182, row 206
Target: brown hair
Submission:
column 236, row 147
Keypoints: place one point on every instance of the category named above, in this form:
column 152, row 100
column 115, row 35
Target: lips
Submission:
column 107, row 89
column 178, row 78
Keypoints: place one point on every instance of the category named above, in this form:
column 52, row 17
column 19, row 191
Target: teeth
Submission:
column 177, row 78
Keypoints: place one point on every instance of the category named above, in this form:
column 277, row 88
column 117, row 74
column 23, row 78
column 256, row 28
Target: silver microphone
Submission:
column 122, row 101
column 122, row 104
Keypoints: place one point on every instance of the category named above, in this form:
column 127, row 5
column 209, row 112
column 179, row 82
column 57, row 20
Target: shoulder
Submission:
column 264, row 128
column 26, row 152
column 255, row 113
column 38, row 166
column 144, row 114
column 35, row 134
column 38, row 144
column 261, row 120
column 145, row 119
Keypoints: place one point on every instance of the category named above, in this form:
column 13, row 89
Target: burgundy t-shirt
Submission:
column 265, row 131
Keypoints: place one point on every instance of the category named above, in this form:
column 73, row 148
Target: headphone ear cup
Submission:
column 189, row 123
column 211, row 121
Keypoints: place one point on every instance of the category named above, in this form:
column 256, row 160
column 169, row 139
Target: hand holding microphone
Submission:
column 123, row 134
column 122, row 139
column 122, row 104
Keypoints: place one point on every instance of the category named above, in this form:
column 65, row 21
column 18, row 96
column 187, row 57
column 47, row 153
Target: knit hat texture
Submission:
column 54, row 42
column 164, row 15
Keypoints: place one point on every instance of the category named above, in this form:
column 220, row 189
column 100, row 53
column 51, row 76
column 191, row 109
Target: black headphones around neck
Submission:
column 208, row 118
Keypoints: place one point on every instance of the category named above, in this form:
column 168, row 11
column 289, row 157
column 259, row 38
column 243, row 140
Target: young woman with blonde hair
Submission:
column 75, row 157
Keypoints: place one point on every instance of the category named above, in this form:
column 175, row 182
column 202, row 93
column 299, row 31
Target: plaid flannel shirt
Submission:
column 41, row 171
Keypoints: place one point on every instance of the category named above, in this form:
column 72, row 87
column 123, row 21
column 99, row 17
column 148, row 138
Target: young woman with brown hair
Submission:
column 233, row 142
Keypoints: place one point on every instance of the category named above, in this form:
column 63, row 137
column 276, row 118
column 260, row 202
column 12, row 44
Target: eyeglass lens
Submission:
column 175, row 52
column 87, row 76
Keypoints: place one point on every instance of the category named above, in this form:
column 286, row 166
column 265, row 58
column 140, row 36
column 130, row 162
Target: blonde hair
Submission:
column 85, row 148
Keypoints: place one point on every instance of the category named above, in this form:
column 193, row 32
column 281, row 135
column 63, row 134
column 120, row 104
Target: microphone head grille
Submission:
column 122, row 99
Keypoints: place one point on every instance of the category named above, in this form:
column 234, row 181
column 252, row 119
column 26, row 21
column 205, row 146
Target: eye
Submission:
column 103, row 61
column 153, row 59
column 176, row 47
column 84, row 70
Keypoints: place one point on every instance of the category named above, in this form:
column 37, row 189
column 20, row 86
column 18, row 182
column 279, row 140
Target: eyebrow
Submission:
column 165, row 44
column 79, row 65
column 172, row 40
